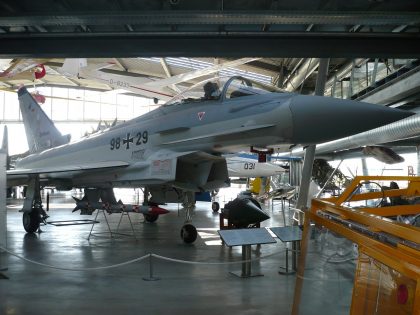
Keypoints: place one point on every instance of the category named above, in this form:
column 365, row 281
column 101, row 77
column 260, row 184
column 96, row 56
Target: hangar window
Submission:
column 12, row 111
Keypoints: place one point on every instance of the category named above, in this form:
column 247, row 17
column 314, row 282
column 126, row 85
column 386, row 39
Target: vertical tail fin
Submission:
column 41, row 132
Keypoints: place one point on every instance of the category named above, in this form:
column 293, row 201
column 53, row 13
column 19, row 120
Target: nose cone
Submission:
column 319, row 119
column 242, row 212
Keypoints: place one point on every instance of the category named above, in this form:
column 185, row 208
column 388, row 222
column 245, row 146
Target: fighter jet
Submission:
column 176, row 149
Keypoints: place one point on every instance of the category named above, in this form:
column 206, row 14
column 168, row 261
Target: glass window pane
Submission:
column 108, row 98
column 60, row 92
column 76, row 94
column 46, row 107
column 21, row 145
column 141, row 105
column 75, row 110
column 92, row 96
column 140, row 110
column 46, row 91
column 124, row 99
column 11, row 103
column 2, row 105
column 59, row 109
column 92, row 111
column 125, row 107
column 108, row 111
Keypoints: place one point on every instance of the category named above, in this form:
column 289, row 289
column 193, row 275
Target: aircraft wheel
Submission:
column 150, row 217
column 215, row 206
column 188, row 233
column 31, row 221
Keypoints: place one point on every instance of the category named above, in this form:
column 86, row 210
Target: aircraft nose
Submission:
column 319, row 119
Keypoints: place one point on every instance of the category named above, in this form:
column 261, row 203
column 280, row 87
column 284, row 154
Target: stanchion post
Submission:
column 151, row 277
column 246, row 257
column 48, row 201
column 3, row 212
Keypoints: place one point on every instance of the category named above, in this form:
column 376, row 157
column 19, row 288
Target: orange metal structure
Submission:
column 387, row 279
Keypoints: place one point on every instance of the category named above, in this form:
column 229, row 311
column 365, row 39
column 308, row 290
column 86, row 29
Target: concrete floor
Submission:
column 183, row 289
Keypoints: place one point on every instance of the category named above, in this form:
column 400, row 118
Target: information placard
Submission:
column 241, row 237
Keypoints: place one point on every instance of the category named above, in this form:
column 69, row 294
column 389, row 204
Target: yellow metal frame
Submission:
column 402, row 258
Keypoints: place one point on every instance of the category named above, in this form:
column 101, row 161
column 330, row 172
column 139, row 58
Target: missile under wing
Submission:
column 176, row 150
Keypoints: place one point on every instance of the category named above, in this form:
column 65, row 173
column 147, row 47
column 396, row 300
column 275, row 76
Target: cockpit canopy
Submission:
column 222, row 89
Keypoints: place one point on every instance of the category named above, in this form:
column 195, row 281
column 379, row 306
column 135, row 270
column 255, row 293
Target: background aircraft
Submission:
column 120, row 81
column 29, row 69
column 176, row 150
column 239, row 166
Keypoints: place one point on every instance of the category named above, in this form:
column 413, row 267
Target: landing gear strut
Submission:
column 188, row 231
column 33, row 213
column 215, row 206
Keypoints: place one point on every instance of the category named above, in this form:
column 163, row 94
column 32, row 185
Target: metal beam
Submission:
column 310, row 150
column 240, row 44
column 168, row 17
column 71, row 81
column 344, row 71
column 120, row 64
column 302, row 74
column 304, row 191
column 168, row 73
column 9, row 85
column 394, row 90
column 183, row 77
column 3, row 212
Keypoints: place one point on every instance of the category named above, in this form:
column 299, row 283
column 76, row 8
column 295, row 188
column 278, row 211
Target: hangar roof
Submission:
column 143, row 38
column 208, row 28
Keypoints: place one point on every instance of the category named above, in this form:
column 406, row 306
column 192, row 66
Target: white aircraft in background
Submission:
column 121, row 81
column 243, row 167
column 160, row 89
column 247, row 167
column 25, row 69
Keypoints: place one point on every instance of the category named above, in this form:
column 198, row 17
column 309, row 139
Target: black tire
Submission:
column 215, row 206
column 151, row 217
column 31, row 221
column 189, row 233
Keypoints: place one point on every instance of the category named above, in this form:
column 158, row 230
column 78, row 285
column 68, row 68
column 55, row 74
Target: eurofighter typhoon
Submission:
column 176, row 149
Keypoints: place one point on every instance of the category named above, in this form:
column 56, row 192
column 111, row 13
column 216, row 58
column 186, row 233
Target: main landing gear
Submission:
column 188, row 231
column 33, row 212
column 150, row 217
column 31, row 221
column 215, row 206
